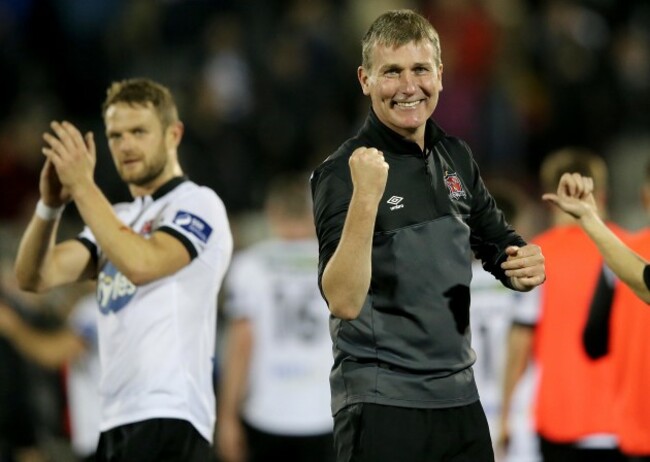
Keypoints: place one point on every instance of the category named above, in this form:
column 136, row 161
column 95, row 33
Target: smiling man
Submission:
column 399, row 210
column 158, row 261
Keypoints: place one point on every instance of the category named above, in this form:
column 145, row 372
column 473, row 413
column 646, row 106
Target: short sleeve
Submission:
column 87, row 238
column 527, row 307
column 194, row 219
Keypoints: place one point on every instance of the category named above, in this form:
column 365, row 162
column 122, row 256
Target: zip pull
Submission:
column 426, row 161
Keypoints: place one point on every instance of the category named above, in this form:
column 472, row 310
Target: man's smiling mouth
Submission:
column 407, row 104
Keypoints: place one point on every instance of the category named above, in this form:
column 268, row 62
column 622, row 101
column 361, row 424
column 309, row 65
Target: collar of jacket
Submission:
column 380, row 135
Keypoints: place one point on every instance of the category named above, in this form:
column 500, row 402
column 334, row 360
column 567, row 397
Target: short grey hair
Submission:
column 397, row 28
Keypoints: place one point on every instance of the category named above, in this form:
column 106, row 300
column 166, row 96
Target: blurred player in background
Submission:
column 274, row 401
column 618, row 328
column 72, row 347
column 573, row 412
column 493, row 307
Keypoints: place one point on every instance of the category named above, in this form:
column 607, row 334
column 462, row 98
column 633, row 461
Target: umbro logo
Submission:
column 395, row 202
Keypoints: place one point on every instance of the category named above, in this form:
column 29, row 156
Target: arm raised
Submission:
column 346, row 278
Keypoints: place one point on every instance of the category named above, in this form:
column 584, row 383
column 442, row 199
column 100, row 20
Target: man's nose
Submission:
column 125, row 143
column 408, row 82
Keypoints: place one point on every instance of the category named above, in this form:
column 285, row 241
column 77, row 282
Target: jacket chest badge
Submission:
column 454, row 186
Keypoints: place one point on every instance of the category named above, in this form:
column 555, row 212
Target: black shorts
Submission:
column 365, row 432
column 268, row 447
column 154, row 440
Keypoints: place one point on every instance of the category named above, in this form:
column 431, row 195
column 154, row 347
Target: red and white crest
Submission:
column 146, row 228
column 454, row 185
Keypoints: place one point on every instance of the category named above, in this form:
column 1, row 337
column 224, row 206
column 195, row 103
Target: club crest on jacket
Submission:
column 454, row 185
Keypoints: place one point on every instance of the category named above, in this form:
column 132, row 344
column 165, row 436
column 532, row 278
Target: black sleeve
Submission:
column 595, row 337
column 92, row 248
column 491, row 234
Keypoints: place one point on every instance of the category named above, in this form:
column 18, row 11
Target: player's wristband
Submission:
column 47, row 213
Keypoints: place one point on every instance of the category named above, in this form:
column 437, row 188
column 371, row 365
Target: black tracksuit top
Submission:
column 410, row 345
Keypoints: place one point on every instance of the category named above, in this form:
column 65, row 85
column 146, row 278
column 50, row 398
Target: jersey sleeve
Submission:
column 87, row 238
column 194, row 219
column 527, row 307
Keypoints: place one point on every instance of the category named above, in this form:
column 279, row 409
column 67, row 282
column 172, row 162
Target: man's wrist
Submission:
column 590, row 218
column 47, row 213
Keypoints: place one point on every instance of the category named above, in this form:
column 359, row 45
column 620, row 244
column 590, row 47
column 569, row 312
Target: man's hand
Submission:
column 574, row 195
column 73, row 157
column 525, row 267
column 231, row 440
column 369, row 173
column 52, row 191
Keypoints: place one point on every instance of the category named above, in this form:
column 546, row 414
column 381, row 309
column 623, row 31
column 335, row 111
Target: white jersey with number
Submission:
column 274, row 285
column 156, row 341
column 492, row 309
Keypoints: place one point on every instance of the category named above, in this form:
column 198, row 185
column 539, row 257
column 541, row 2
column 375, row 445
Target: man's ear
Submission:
column 364, row 78
column 175, row 132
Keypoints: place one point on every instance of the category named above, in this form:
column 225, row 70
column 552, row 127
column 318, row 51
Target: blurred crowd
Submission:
column 269, row 86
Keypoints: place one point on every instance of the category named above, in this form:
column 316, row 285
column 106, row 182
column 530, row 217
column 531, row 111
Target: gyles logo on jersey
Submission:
column 114, row 290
